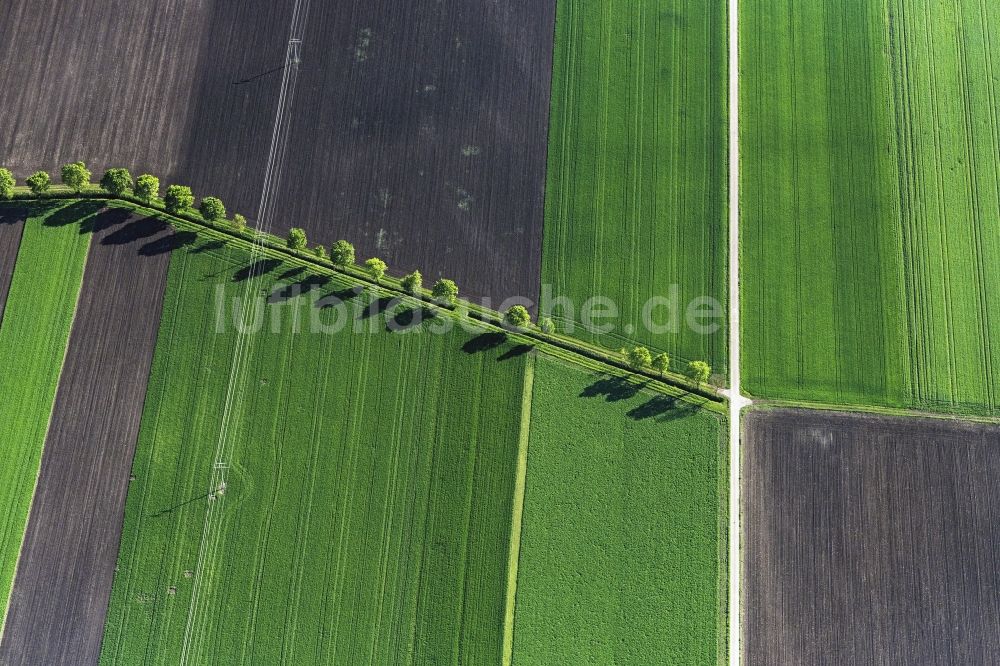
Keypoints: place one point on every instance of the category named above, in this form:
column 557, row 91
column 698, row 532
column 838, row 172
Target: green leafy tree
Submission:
column 178, row 199
column 445, row 291
column 638, row 358
column 546, row 325
column 239, row 222
column 699, row 371
column 297, row 239
column 75, row 176
column 117, row 181
column 39, row 182
column 412, row 282
column 212, row 209
column 147, row 187
column 660, row 363
column 517, row 316
column 342, row 253
column 6, row 184
column 376, row 267
column 320, row 252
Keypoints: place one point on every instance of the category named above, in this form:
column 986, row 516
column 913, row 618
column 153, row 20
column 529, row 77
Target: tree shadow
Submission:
column 167, row 244
column 73, row 213
column 378, row 306
column 514, row 352
column 408, row 319
column 294, row 290
column 134, row 231
column 613, row 389
column 110, row 217
column 290, row 273
column 663, row 408
column 337, row 297
column 208, row 247
column 484, row 342
column 256, row 269
column 15, row 215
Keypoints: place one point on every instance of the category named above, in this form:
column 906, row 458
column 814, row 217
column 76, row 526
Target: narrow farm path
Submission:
column 737, row 401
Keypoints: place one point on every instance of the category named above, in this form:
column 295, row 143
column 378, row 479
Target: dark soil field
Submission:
column 11, row 226
column 64, row 576
column 419, row 133
column 148, row 86
column 417, row 130
column 870, row 540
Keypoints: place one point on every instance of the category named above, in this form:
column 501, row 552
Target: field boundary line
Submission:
column 517, row 510
column 736, row 400
column 48, row 425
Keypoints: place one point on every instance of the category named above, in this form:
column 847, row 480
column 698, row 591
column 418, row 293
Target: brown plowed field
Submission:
column 420, row 133
column 11, row 228
column 870, row 540
column 67, row 562
column 145, row 85
column 418, row 129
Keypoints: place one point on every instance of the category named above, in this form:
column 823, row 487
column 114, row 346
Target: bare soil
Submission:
column 11, row 229
column 64, row 575
column 870, row 540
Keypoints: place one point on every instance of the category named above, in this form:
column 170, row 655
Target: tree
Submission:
column 6, row 184
column 297, row 239
column 342, row 253
column 445, row 291
column 660, row 363
column 178, row 199
column 239, row 222
column 412, row 282
column 39, row 182
column 75, row 176
column 517, row 316
column 638, row 358
column 376, row 267
column 147, row 187
column 212, row 209
column 699, row 371
column 320, row 252
column 546, row 325
column 117, row 181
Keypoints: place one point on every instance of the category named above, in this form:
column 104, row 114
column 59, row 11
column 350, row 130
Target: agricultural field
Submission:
column 636, row 202
column 34, row 330
column 67, row 561
column 168, row 88
column 870, row 539
column 870, row 141
column 369, row 478
column 622, row 540
column 418, row 133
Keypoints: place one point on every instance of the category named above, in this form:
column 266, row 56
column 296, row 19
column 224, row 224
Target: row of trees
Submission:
column 179, row 199
column 639, row 358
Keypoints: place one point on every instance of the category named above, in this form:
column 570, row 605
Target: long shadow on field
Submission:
column 663, row 408
column 409, row 319
column 515, row 351
column 290, row 273
column 15, row 215
column 613, row 389
column 135, row 231
column 208, row 247
column 167, row 244
column 285, row 292
column 484, row 342
column 335, row 298
column 171, row 509
column 256, row 269
column 378, row 306
column 72, row 213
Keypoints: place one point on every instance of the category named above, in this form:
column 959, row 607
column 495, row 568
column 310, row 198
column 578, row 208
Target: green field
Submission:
column 636, row 199
column 871, row 193
column 366, row 517
column 33, row 335
column 624, row 512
